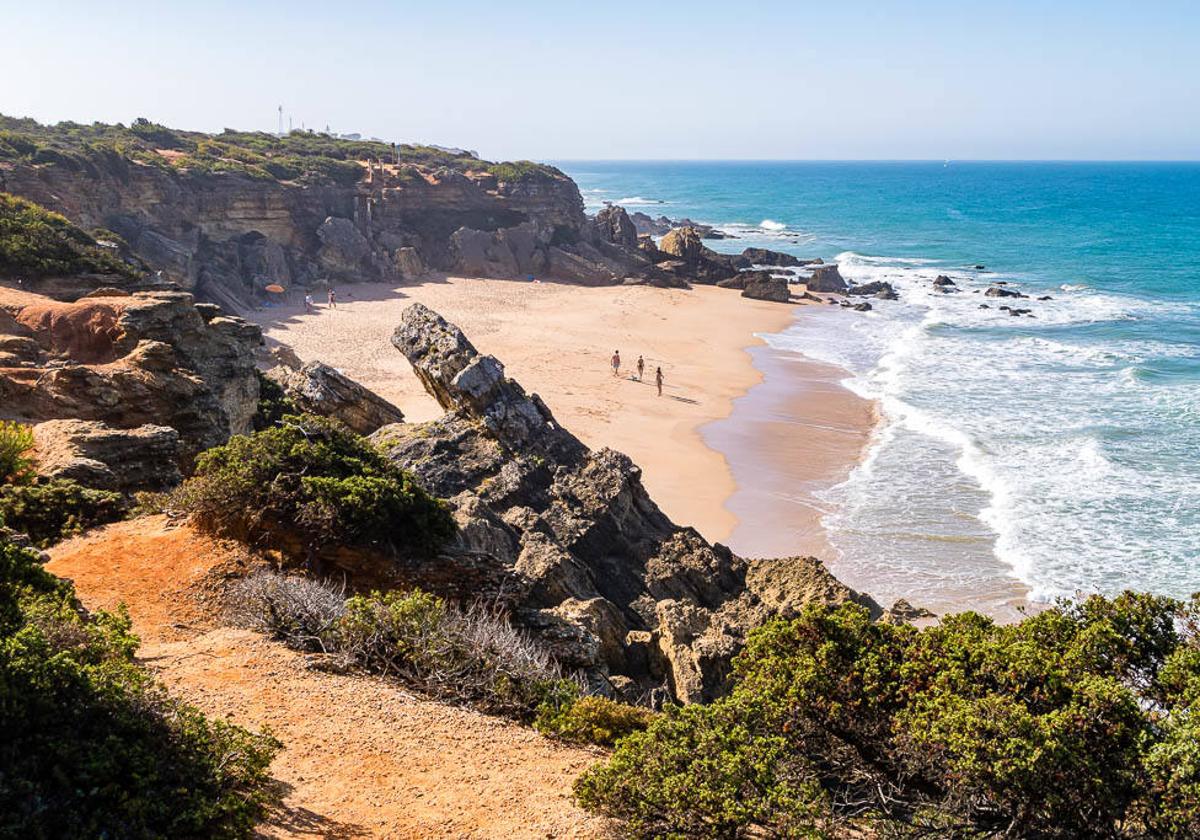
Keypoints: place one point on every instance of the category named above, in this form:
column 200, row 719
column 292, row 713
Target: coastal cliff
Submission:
column 226, row 216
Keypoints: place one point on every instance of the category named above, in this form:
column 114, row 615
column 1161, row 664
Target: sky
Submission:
column 838, row 79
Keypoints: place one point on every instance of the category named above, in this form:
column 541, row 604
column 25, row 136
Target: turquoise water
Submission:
column 1063, row 449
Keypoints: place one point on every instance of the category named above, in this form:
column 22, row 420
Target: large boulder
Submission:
column 97, row 455
column 568, row 539
column 877, row 288
column 684, row 243
column 826, row 279
column 612, row 224
column 767, row 288
column 343, row 247
column 317, row 388
column 764, row 256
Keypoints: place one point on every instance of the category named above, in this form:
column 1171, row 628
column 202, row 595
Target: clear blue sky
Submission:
column 546, row 80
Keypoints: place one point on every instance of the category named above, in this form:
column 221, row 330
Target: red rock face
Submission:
column 86, row 331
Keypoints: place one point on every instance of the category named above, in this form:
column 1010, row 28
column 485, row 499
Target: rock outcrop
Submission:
column 97, row 455
column 568, row 538
column 766, row 287
column 696, row 261
column 317, row 388
column 764, row 256
column 826, row 279
column 877, row 288
column 147, row 358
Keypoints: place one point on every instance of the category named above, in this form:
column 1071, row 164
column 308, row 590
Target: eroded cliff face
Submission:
column 128, row 361
column 226, row 236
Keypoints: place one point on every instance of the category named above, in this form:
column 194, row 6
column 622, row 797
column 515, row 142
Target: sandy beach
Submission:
column 556, row 339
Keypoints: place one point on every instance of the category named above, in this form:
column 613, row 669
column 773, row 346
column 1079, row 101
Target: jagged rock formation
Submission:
column 317, row 388
column 569, row 539
column 97, row 455
column 147, row 358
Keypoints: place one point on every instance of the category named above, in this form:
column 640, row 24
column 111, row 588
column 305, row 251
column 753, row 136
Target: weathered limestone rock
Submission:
column 149, row 358
column 343, row 248
column 569, row 539
column 409, row 263
column 317, row 388
column 612, row 224
column 97, row 455
column 684, row 243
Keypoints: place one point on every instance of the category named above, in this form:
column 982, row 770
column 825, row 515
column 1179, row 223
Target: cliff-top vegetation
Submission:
column 36, row 242
column 300, row 156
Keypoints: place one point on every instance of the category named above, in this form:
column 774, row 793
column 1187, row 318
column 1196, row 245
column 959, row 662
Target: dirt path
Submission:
column 362, row 758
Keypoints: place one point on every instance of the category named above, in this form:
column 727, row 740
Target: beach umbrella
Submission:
column 276, row 288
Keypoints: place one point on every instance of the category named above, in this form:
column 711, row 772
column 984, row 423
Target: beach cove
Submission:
column 556, row 339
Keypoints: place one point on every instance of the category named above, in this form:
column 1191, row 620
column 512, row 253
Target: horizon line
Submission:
column 868, row 160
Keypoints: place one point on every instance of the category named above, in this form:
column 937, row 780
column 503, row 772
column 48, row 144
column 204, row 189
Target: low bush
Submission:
column 36, row 242
column 16, row 443
column 312, row 481
column 472, row 655
column 92, row 746
column 54, row 509
column 273, row 403
column 1077, row 722
column 590, row 719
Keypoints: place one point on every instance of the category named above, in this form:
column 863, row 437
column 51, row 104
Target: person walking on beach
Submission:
column 641, row 367
column 308, row 304
column 332, row 299
column 616, row 362
column 658, row 377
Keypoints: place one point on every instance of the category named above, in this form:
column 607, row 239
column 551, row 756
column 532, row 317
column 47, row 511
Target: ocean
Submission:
column 1061, row 451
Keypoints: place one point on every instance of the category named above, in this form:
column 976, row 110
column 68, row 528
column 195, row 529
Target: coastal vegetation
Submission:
column 46, row 509
column 37, row 242
column 305, row 157
column 49, row 510
column 471, row 656
column 308, row 484
column 93, row 746
column 1077, row 722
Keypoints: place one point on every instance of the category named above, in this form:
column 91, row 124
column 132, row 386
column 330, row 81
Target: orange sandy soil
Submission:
column 361, row 757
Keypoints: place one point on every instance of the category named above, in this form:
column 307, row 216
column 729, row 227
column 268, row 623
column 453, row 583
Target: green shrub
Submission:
column 52, row 510
column 16, row 441
column 92, row 745
column 36, row 242
column 471, row 656
column 313, row 481
column 1077, row 722
column 273, row 403
column 590, row 719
